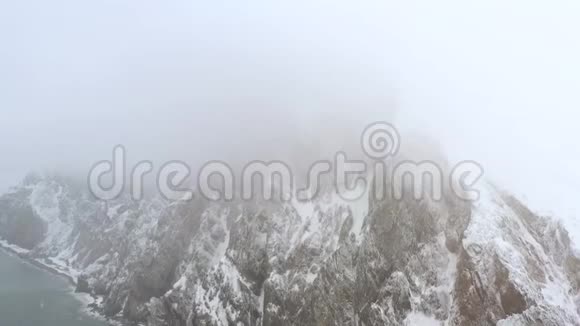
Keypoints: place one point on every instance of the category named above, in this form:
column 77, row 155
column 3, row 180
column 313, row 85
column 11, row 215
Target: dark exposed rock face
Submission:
column 28, row 229
column 325, row 262
column 83, row 285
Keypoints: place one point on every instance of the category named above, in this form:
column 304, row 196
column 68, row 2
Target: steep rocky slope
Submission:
column 323, row 262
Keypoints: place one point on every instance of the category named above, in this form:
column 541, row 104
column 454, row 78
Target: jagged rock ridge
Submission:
column 323, row 262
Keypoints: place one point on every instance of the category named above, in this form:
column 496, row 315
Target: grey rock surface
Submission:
column 323, row 262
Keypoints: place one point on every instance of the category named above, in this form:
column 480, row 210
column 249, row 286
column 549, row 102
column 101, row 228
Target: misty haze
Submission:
column 263, row 163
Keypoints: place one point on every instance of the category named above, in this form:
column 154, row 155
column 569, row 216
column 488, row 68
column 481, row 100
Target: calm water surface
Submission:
column 30, row 296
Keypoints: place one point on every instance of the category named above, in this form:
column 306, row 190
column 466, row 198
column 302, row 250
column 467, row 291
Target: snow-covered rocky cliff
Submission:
column 323, row 262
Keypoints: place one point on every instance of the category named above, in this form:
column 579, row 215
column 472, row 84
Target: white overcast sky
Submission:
column 495, row 81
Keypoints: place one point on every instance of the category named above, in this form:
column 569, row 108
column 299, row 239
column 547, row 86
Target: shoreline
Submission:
column 90, row 306
column 24, row 256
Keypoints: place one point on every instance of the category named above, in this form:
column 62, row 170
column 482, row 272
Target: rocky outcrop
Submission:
column 322, row 262
column 26, row 231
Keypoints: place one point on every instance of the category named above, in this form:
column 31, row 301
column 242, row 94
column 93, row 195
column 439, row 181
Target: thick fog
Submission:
column 493, row 81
